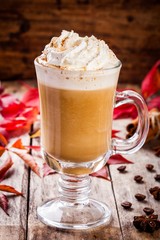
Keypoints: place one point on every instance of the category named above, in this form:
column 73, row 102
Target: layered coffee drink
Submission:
column 77, row 78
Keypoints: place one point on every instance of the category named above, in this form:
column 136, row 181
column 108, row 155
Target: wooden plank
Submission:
column 125, row 189
column 46, row 188
column 14, row 226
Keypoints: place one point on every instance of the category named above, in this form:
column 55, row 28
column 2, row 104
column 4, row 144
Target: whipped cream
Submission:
column 72, row 52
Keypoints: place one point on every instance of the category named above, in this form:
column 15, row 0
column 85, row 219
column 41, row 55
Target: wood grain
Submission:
column 131, row 28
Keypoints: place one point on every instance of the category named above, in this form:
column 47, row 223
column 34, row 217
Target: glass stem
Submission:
column 74, row 189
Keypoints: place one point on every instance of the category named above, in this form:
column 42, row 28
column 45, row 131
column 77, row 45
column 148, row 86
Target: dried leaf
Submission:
column 36, row 134
column 27, row 158
column 18, row 144
column 31, row 98
column 2, row 150
column 12, row 125
column 117, row 159
column 4, row 132
column 125, row 111
column 6, row 188
column 47, row 170
column 36, row 148
column 3, row 141
column 154, row 103
column 102, row 173
column 13, row 110
column 30, row 114
column 151, row 83
column 4, row 203
column 114, row 132
column 5, row 167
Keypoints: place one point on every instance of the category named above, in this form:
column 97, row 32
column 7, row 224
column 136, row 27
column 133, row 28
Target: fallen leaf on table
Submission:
column 125, row 111
column 5, row 167
column 114, row 132
column 47, row 170
column 4, row 203
column 13, row 125
column 31, row 97
column 117, row 159
column 27, row 158
column 2, row 150
column 151, row 83
column 13, row 110
column 36, row 148
column 102, row 173
column 30, row 114
column 6, row 188
column 154, row 103
column 36, row 134
column 18, row 144
column 3, row 140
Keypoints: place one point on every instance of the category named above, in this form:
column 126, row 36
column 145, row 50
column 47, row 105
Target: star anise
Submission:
column 155, row 192
column 146, row 223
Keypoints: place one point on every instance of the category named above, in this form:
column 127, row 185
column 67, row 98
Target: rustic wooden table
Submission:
column 22, row 222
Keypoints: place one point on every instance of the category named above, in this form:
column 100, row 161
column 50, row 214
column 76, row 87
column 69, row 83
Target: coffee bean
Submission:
column 140, row 197
column 149, row 167
column 126, row 205
column 148, row 211
column 157, row 177
column 121, row 168
column 138, row 178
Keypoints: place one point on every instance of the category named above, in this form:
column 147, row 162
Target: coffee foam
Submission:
column 76, row 80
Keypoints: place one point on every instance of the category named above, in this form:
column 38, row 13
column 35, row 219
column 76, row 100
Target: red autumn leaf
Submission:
column 31, row 98
column 3, row 140
column 36, row 148
column 125, row 111
column 4, row 203
column 47, row 170
column 30, row 114
column 10, row 106
column 6, row 188
column 27, row 158
column 114, row 132
column 102, row 173
column 5, row 167
column 4, row 132
column 13, row 110
column 13, row 125
column 2, row 150
column 117, row 159
column 151, row 83
column 154, row 103
column 7, row 99
column 18, row 144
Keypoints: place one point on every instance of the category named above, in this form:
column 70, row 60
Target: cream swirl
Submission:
column 72, row 52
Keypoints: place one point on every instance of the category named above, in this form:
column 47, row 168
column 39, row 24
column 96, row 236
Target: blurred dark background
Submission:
column 130, row 27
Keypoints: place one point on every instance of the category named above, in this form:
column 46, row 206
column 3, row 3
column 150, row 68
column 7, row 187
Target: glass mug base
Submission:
column 56, row 213
column 73, row 209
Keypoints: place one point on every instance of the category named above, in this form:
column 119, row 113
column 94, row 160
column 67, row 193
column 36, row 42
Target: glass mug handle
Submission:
column 134, row 143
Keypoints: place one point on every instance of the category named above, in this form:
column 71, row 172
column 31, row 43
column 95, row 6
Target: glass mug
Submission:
column 76, row 125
